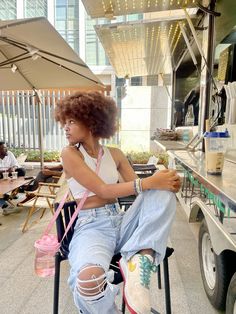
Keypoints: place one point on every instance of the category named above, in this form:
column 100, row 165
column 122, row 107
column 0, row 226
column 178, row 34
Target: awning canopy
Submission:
column 34, row 55
column 110, row 8
column 141, row 48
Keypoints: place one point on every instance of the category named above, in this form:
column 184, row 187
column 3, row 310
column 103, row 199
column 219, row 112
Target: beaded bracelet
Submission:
column 135, row 188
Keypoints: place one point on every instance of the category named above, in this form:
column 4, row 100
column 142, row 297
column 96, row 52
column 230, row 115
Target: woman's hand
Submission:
column 165, row 180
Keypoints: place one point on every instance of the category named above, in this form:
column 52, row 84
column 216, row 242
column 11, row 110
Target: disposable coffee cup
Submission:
column 14, row 175
column 215, row 148
column 5, row 175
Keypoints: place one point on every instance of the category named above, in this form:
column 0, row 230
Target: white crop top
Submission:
column 107, row 171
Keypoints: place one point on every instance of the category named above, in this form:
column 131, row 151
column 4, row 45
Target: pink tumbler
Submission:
column 45, row 250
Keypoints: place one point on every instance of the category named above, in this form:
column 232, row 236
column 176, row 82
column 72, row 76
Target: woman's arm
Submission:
column 74, row 166
column 123, row 166
column 168, row 179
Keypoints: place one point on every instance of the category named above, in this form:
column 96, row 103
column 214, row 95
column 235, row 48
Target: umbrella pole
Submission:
column 40, row 130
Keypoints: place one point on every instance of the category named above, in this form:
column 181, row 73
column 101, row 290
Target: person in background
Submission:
column 47, row 174
column 192, row 98
column 8, row 163
column 179, row 113
column 102, row 229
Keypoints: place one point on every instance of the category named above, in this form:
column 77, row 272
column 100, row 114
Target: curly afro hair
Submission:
column 93, row 109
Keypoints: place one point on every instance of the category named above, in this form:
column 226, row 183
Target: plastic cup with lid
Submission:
column 215, row 148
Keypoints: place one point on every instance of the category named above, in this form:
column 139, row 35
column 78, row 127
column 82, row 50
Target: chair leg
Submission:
column 42, row 213
column 123, row 305
column 167, row 285
column 50, row 205
column 56, row 283
column 30, row 213
column 159, row 276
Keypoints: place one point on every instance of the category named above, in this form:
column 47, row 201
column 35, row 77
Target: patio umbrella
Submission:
column 33, row 55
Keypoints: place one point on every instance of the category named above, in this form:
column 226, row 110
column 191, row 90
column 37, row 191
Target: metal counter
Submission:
column 214, row 195
column 170, row 145
column 224, row 184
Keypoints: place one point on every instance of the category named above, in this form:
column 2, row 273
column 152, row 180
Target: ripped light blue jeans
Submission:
column 102, row 232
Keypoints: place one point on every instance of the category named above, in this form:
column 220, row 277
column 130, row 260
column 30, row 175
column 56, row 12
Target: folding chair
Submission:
column 42, row 199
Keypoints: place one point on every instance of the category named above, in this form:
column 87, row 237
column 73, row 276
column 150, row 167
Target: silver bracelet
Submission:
column 138, row 186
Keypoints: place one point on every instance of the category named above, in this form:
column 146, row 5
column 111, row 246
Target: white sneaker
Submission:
column 137, row 274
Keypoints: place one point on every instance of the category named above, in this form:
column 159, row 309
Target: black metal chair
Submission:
column 61, row 224
column 144, row 170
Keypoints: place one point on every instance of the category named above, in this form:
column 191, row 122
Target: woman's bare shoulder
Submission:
column 115, row 151
column 70, row 151
column 68, row 148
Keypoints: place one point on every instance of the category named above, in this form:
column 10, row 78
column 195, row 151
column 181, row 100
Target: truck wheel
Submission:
column 213, row 269
column 231, row 297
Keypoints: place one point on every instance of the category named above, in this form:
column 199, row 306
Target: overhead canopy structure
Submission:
column 146, row 47
column 110, row 8
column 33, row 55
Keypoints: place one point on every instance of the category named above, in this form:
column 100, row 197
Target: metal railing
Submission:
column 19, row 113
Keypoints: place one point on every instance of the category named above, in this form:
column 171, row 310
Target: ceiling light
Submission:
column 35, row 56
column 109, row 14
column 13, row 68
column 32, row 50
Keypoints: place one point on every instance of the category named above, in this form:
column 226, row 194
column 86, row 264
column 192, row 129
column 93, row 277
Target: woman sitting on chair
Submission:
column 102, row 230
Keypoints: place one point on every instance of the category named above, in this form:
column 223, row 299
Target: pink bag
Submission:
column 47, row 246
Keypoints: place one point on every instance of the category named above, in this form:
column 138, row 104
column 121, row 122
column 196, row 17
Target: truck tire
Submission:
column 231, row 297
column 213, row 270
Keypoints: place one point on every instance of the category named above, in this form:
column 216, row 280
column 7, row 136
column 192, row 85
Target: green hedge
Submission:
column 134, row 157
column 34, row 155
column 143, row 157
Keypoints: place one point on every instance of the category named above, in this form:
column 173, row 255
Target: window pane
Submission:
column 60, row 2
column 60, row 25
column 35, row 8
column 60, row 13
column 7, row 10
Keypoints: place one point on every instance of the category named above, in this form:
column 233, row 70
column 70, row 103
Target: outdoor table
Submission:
column 9, row 185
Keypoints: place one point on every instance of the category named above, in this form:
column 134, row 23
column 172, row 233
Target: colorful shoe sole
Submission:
column 132, row 311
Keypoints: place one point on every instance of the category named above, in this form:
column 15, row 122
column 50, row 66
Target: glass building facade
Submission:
column 67, row 21
column 35, row 8
column 94, row 52
column 8, row 9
